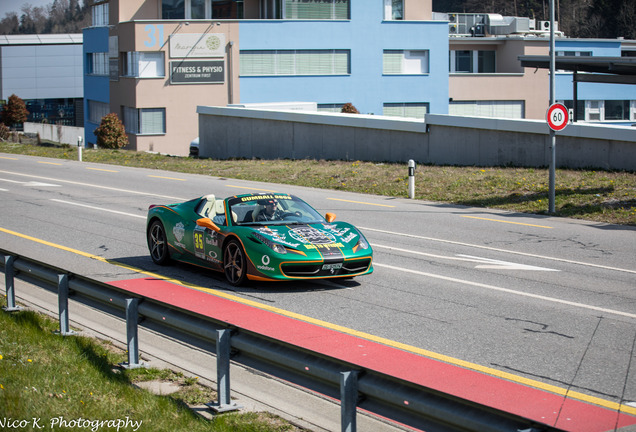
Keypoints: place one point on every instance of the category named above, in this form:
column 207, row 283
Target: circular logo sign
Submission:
column 557, row 117
column 213, row 43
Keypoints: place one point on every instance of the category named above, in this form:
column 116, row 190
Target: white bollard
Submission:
column 79, row 148
column 411, row 178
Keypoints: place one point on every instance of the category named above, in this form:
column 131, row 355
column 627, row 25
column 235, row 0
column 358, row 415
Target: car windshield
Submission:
column 272, row 209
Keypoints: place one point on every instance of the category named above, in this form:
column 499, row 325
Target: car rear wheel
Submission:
column 158, row 244
column 235, row 263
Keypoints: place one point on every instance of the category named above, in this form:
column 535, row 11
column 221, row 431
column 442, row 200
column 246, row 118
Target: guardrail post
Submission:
column 62, row 301
column 9, row 273
column 132, row 318
column 348, row 400
column 223, row 349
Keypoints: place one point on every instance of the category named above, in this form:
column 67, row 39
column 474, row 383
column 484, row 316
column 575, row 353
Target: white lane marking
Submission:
column 30, row 184
column 98, row 208
column 420, row 273
column 507, row 290
column 97, row 186
column 39, row 184
column 504, row 265
column 500, row 250
column 485, row 262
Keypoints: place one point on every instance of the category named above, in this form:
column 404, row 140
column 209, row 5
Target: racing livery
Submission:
column 261, row 237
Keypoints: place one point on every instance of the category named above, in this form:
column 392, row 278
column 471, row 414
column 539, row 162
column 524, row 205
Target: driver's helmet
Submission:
column 266, row 202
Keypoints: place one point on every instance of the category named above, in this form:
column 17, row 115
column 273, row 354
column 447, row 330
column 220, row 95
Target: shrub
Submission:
column 111, row 133
column 4, row 132
column 348, row 108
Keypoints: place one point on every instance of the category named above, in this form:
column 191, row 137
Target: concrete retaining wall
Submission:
column 57, row 133
column 440, row 139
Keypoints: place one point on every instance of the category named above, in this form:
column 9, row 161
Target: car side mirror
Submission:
column 330, row 217
column 207, row 223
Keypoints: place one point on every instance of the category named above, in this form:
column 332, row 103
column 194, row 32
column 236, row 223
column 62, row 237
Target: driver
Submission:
column 270, row 212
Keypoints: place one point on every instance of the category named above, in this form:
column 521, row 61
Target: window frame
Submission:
column 132, row 64
column 97, row 64
column 99, row 15
column 134, row 124
column 405, row 108
column 475, row 60
column 97, row 110
column 295, row 62
column 407, row 60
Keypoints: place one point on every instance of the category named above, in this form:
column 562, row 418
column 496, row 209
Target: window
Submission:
column 468, row 61
column 172, row 9
column 330, row 107
column 201, row 9
column 97, row 63
column 405, row 62
column 574, row 53
column 486, row 62
column 294, row 62
column 617, row 110
column 141, row 64
column 393, row 9
column 593, row 110
column 317, row 9
column 99, row 15
column 412, row 110
column 145, row 121
column 496, row 109
column 97, row 110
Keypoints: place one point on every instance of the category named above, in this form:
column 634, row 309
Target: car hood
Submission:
column 307, row 237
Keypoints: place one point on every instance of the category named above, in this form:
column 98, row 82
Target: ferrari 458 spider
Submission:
column 260, row 237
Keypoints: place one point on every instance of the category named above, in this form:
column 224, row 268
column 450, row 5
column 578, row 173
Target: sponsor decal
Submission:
column 311, row 235
column 265, row 268
column 277, row 237
column 350, row 237
column 324, row 246
column 265, row 260
column 179, row 231
column 265, row 197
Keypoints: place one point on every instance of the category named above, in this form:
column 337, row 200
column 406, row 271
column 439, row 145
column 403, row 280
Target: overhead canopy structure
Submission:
column 608, row 70
column 614, row 70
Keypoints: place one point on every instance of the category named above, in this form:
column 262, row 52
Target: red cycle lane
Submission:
column 528, row 402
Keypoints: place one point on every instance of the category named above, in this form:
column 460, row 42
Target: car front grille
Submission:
column 350, row 267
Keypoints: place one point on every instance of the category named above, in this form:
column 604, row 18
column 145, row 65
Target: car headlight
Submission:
column 270, row 244
column 362, row 242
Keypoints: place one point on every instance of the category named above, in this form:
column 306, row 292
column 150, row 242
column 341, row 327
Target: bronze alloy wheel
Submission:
column 235, row 263
column 158, row 244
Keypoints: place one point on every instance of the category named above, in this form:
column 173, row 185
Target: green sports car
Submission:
column 262, row 237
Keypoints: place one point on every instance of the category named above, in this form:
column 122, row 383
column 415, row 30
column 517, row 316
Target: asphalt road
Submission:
column 550, row 302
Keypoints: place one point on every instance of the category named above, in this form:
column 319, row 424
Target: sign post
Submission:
column 557, row 117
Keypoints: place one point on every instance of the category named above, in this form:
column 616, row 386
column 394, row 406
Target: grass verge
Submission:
column 68, row 383
column 600, row 196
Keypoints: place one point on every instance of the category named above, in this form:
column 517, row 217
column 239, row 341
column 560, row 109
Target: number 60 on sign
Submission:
column 557, row 117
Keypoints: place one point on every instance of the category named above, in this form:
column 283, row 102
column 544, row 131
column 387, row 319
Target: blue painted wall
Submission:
column 366, row 35
column 96, row 88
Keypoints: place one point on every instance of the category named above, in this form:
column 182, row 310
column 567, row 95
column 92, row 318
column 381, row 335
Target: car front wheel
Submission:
column 158, row 243
column 235, row 263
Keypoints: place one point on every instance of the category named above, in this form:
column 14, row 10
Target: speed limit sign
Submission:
column 557, row 117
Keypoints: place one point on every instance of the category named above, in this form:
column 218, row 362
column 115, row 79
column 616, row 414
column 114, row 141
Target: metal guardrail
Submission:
column 353, row 385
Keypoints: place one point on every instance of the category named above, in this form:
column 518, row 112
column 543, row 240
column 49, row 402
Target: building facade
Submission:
column 487, row 79
column 154, row 61
column 45, row 71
